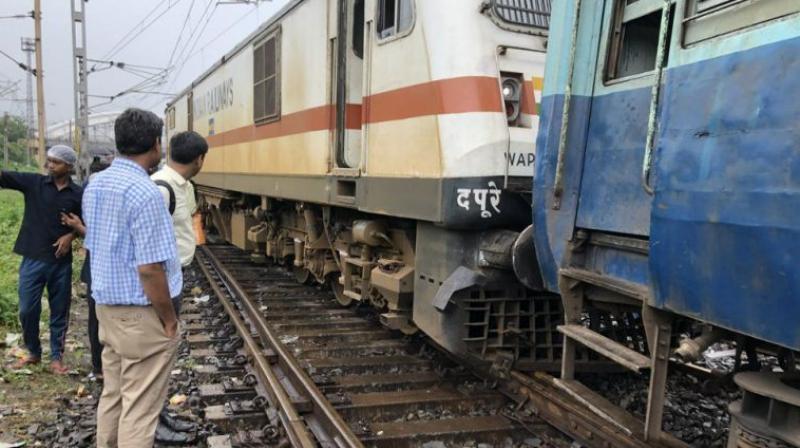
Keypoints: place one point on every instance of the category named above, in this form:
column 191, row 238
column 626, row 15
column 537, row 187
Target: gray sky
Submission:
column 217, row 29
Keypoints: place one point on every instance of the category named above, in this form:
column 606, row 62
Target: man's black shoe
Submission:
column 166, row 436
column 174, row 423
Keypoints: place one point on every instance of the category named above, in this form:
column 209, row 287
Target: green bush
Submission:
column 11, row 209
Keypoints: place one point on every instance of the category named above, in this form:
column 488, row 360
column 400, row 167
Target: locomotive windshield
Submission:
column 523, row 13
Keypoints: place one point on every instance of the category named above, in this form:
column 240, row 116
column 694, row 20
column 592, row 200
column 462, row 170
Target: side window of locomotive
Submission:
column 395, row 18
column 358, row 28
column 171, row 118
column 266, row 79
column 634, row 38
column 706, row 19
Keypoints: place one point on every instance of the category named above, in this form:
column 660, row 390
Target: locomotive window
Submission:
column 171, row 118
column 266, row 79
column 358, row 28
column 706, row 19
column 634, row 38
column 395, row 18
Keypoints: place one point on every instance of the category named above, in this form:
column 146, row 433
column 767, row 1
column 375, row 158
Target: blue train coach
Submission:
column 667, row 185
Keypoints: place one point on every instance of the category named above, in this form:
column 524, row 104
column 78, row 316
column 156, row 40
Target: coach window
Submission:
column 395, row 18
column 266, row 79
column 171, row 118
column 358, row 28
column 706, row 19
column 634, row 38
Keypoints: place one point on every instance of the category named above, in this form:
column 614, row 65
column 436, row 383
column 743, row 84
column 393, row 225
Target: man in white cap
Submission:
column 45, row 244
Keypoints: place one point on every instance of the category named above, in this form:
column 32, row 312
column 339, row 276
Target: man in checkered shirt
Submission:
column 135, row 273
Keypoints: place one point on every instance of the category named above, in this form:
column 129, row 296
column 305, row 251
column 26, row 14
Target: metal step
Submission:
column 609, row 348
column 623, row 287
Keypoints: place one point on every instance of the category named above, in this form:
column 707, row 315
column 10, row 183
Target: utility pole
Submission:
column 37, row 18
column 28, row 47
column 81, row 89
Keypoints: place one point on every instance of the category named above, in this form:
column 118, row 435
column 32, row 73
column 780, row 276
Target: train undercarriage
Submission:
column 456, row 286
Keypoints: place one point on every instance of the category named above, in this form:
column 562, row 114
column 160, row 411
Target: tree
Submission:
column 14, row 134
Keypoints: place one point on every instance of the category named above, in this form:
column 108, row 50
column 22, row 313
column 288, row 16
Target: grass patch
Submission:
column 11, row 209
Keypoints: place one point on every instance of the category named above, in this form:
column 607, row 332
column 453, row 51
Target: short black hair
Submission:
column 185, row 147
column 97, row 165
column 136, row 131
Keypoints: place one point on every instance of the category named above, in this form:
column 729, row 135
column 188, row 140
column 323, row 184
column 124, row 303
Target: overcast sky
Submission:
column 115, row 31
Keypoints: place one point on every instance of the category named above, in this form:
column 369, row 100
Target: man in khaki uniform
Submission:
column 187, row 152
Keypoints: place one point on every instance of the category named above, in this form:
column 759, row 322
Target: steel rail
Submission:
column 333, row 423
column 295, row 425
column 581, row 422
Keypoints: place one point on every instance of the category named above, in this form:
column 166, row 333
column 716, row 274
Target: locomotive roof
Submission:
column 275, row 18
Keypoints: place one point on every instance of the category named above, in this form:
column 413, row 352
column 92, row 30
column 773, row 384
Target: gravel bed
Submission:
column 695, row 411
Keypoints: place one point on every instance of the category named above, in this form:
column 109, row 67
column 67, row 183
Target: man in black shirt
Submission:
column 45, row 244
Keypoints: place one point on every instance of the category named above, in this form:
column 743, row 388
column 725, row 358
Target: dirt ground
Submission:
column 29, row 398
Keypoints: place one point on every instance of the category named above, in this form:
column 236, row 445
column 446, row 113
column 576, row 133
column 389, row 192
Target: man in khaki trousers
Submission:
column 135, row 271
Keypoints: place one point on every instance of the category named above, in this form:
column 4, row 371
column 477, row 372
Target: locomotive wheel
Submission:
column 302, row 275
column 338, row 291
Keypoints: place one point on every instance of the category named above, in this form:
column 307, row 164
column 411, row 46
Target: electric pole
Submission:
column 81, row 89
column 28, row 47
column 37, row 18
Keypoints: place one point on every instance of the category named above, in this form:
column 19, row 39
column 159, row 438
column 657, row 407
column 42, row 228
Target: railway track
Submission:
column 334, row 376
column 292, row 367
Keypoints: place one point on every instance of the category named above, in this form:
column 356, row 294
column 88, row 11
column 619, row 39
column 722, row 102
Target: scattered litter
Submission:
column 175, row 372
column 719, row 354
column 23, row 372
column 177, row 400
column 12, row 444
column 288, row 339
column 196, row 291
column 12, row 338
column 81, row 391
column 202, row 299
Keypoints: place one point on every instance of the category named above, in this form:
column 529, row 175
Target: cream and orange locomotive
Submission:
column 386, row 147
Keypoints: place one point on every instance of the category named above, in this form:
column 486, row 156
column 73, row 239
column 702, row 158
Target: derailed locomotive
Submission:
column 385, row 147
column 667, row 184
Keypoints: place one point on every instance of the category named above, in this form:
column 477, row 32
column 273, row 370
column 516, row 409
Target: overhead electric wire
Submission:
column 191, row 55
column 141, row 30
column 18, row 63
column 180, row 34
column 199, row 35
column 19, row 16
column 134, row 28
column 183, row 51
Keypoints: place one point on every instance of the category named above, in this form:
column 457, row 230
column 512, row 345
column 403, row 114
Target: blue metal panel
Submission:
column 612, row 198
column 552, row 228
column 619, row 264
column 725, row 243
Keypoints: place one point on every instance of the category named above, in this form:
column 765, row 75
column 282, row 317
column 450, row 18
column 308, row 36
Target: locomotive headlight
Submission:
column 511, row 87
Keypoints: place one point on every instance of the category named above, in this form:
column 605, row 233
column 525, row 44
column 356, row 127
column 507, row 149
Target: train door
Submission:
column 613, row 198
column 347, row 84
